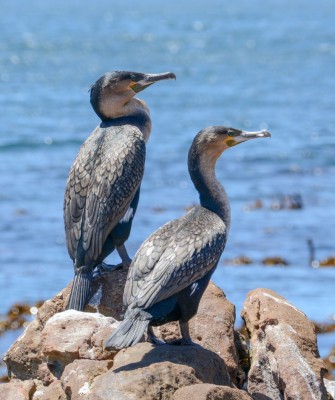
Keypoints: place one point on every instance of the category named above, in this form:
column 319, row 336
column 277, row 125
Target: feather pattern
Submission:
column 176, row 255
column 101, row 185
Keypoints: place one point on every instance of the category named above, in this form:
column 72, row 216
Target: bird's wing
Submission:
column 102, row 182
column 175, row 256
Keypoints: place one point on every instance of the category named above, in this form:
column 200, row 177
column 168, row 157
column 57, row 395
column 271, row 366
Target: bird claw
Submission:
column 156, row 341
column 103, row 269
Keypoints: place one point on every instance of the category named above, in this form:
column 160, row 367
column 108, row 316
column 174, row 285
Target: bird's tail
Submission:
column 80, row 291
column 130, row 330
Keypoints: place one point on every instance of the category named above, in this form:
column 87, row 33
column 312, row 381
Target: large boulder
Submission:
column 212, row 327
column 285, row 359
column 148, row 372
column 72, row 335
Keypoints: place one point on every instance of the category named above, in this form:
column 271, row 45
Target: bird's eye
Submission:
column 231, row 132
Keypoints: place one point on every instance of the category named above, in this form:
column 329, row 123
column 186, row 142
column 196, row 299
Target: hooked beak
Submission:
column 242, row 136
column 253, row 135
column 149, row 79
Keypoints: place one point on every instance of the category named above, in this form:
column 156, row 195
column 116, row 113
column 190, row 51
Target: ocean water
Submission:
column 249, row 65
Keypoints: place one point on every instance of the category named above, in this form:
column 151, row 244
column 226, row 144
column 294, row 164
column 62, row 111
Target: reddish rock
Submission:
column 151, row 372
column 17, row 390
column 206, row 391
column 52, row 392
column 24, row 358
column 285, row 360
column 212, row 327
column 78, row 376
column 72, row 335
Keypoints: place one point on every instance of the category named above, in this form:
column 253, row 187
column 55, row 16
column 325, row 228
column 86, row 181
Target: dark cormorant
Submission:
column 172, row 268
column 103, row 186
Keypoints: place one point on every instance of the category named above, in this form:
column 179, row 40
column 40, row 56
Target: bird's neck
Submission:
column 212, row 194
column 134, row 109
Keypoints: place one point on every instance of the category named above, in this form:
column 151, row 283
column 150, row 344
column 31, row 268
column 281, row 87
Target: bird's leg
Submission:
column 104, row 268
column 126, row 260
column 152, row 337
column 185, row 336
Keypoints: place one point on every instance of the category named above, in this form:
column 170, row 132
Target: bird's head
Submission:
column 212, row 141
column 114, row 90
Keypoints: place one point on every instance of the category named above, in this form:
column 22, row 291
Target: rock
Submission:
column 149, row 372
column 17, row 390
column 24, row 358
column 330, row 386
column 106, row 297
column 212, row 327
column 206, row 391
column 78, row 376
column 71, row 335
column 53, row 306
column 52, row 392
column 107, row 294
column 285, row 359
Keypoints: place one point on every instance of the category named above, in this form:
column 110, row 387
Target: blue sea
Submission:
column 250, row 65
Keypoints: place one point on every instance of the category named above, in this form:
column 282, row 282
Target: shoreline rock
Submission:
column 60, row 355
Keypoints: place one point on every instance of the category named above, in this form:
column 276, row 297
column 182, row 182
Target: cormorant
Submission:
column 103, row 186
column 172, row 268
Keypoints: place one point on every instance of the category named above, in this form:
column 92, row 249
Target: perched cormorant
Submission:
column 172, row 268
column 103, row 186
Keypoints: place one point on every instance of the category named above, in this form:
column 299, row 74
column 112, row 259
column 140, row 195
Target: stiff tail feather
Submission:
column 80, row 291
column 129, row 332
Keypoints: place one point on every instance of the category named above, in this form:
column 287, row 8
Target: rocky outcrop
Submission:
column 61, row 356
column 285, row 359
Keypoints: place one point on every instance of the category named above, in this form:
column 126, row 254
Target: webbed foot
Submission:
column 103, row 269
column 152, row 338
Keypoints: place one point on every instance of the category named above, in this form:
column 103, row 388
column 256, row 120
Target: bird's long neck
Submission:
column 212, row 194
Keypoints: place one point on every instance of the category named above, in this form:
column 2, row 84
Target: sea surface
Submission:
column 250, row 65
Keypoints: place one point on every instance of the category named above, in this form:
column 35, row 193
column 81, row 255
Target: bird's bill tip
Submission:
column 253, row 135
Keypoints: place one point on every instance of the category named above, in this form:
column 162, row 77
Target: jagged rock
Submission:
column 52, row 392
column 206, row 391
column 78, row 376
column 17, row 390
column 285, row 359
column 72, row 335
column 24, row 358
column 151, row 372
column 212, row 327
